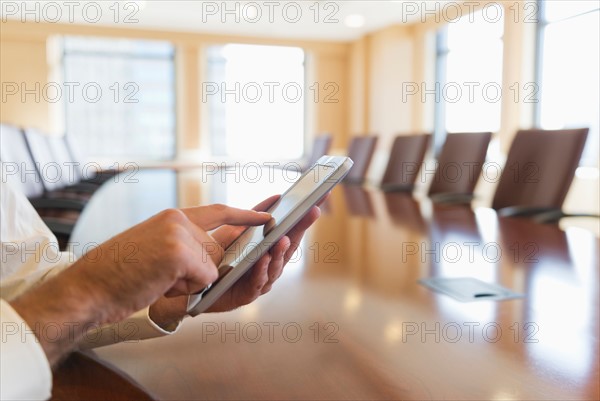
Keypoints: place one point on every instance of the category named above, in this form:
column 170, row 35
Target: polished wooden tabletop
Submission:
column 348, row 318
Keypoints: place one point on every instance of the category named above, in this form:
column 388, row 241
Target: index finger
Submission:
column 267, row 203
column 213, row 216
column 227, row 234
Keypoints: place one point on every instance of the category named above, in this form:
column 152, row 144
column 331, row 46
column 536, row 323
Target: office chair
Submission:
column 56, row 174
column 18, row 162
column 406, row 158
column 98, row 177
column 361, row 151
column 321, row 146
column 19, row 171
column 459, row 166
column 538, row 173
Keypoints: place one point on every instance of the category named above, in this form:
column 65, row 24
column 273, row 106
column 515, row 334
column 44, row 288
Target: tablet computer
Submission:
column 254, row 242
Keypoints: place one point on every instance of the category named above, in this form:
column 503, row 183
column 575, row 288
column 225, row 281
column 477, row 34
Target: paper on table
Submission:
column 467, row 289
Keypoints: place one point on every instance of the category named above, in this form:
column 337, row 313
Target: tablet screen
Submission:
column 289, row 201
column 301, row 190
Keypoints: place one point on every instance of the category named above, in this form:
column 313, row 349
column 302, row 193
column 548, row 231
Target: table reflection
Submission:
column 560, row 310
column 357, row 272
column 404, row 210
column 358, row 201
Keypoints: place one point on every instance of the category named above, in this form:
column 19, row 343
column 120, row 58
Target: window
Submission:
column 255, row 98
column 123, row 103
column 568, row 65
column 469, row 75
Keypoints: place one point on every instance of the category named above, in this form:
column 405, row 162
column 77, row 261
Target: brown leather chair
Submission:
column 361, row 151
column 459, row 167
column 321, row 146
column 539, row 169
column 406, row 158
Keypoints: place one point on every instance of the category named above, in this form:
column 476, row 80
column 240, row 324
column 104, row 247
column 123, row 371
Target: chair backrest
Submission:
column 406, row 157
column 85, row 169
column 61, row 154
column 539, row 168
column 18, row 167
column 54, row 175
column 460, row 163
column 361, row 152
column 321, row 146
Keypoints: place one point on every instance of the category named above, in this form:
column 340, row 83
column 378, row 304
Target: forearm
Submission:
column 59, row 312
column 168, row 312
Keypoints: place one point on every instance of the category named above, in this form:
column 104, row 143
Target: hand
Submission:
column 257, row 281
column 171, row 254
column 260, row 278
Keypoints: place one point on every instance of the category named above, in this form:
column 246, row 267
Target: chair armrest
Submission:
column 353, row 181
column 526, row 211
column 101, row 177
column 554, row 217
column 452, row 198
column 57, row 203
column 83, row 187
column 397, row 187
column 59, row 227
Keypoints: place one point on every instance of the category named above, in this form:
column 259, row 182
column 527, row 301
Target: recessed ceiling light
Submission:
column 354, row 21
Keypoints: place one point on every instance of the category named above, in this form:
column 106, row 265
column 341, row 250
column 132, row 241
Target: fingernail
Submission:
column 265, row 214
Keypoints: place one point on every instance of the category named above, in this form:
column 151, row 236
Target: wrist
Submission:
column 58, row 318
column 168, row 312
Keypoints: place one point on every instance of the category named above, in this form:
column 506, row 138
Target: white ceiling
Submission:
column 275, row 18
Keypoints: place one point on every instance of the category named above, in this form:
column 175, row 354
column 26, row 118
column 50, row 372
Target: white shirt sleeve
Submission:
column 30, row 252
column 26, row 374
column 137, row 327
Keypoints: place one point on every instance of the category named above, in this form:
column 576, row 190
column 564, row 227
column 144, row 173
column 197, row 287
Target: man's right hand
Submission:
column 169, row 254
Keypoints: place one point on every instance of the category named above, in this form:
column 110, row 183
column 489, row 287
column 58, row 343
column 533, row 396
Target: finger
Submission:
column 213, row 216
column 323, row 199
column 208, row 247
column 277, row 262
column 198, row 270
column 251, row 288
column 259, row 276
column 227, row 234
column 295, row 234
column 202, row 243
column 298, row 230
column 267, row 203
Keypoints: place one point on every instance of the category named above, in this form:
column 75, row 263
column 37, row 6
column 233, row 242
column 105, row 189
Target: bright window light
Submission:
column 354, row 21
column 256, row 97
column 472, row 90
column 569, row 96
column 123, row 106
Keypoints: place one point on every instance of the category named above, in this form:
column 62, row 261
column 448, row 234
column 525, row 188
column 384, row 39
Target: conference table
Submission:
column 348, row 319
